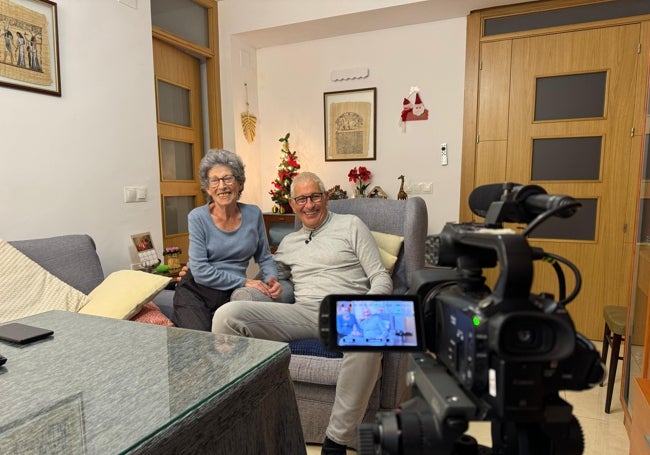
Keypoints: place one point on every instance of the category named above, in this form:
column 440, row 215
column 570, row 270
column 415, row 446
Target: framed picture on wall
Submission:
column 29, row 46
column 350, row 124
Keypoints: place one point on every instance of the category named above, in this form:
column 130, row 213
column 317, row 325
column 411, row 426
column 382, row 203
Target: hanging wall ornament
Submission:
column 248, row 121
column 413, row 110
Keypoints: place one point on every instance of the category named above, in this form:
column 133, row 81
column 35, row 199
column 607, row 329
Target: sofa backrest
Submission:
column 407, row 218
column 71, row 258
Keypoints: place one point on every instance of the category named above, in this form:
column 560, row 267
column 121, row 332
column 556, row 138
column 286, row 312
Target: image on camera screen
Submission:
column 376, row 323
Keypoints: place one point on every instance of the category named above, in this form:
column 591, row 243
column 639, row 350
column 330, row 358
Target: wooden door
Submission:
column 580, row 150
column 180, row 146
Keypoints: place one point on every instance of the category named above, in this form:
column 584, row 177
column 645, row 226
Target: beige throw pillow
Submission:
column 26, row 288
column 389, row 246
column 123, row 294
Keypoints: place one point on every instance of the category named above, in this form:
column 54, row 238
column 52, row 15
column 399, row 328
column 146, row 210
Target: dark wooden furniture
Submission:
column 277, row 226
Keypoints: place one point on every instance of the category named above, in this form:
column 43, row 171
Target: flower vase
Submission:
column 173, row 261
column 358, row 194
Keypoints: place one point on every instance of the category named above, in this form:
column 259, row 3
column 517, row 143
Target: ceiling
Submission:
column 367, row 21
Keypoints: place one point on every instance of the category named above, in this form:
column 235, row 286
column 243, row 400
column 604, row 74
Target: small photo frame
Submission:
column 146, row 251
column 29, row 46
column 350, row 124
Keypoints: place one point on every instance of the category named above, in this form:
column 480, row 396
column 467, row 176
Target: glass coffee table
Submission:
column 102, row 385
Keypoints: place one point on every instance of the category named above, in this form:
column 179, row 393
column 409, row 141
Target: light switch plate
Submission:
column 130, row 3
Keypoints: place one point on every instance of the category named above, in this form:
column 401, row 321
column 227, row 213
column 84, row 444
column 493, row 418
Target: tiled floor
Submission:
column 603, row 433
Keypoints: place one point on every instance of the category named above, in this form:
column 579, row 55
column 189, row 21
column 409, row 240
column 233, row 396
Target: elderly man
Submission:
column 331, row 254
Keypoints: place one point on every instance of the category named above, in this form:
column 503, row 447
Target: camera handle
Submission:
column 435, row 420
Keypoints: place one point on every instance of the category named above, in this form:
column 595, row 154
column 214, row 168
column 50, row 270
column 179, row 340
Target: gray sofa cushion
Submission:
column 71, row 258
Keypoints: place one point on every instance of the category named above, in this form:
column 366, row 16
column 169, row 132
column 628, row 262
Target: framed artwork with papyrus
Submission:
column 29, row 46
column 350, row 124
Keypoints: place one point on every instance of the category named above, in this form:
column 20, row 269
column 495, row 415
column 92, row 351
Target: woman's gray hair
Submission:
column 220, row 157
column 309, row 177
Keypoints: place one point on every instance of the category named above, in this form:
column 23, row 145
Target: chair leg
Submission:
column 613, row 361
column 603, row 356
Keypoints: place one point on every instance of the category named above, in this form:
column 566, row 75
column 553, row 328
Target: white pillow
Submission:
column 123, row 294
column 26, row 288
column 389, row 246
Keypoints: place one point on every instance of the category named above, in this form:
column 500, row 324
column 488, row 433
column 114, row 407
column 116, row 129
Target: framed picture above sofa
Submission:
column 350, row 124
column 29, row 48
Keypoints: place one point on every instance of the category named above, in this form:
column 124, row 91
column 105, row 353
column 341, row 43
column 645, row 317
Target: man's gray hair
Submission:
column 309, row 177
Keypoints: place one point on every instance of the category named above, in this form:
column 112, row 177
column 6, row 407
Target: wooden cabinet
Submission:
column 640, row 431
column 277, row 226
column 635, row 391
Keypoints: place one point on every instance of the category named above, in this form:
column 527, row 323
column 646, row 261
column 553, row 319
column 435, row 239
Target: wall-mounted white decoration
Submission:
column 350, row 73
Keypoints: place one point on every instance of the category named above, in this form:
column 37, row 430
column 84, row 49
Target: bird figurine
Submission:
column 401, row 194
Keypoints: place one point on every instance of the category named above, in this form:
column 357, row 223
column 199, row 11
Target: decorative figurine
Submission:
column 401, row 194
column 377, row 192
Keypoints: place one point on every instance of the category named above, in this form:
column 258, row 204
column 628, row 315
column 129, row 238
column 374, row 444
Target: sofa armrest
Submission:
column 71, row 258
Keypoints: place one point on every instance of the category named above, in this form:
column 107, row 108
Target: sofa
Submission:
column 313, row 370
column 73, row 259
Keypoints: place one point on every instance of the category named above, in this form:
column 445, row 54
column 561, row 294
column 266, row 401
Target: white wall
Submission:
column 286, row 85
column 64, row 161
column 430, row 56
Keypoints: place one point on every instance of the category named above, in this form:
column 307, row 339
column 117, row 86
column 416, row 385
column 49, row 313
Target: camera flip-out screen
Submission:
column 371, row 322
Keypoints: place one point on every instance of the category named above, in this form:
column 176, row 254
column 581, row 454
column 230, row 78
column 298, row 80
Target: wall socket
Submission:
column 418, row 187
column 130, row 3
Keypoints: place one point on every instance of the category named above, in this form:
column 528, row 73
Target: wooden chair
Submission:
column 615, row 320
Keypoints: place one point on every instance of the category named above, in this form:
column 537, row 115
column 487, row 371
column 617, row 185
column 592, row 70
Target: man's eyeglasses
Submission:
column 302, row 200
column 226, row 179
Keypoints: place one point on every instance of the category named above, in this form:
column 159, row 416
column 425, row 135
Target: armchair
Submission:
column 313, row 370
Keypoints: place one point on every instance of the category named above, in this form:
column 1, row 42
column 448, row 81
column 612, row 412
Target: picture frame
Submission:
column 146, row 252
column 29, row 46
column 350, row 124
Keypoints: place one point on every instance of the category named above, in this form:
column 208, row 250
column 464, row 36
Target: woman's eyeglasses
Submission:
column 314, row 197
column 226, row 179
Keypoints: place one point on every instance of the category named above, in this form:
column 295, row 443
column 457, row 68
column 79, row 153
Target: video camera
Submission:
column 499, row 355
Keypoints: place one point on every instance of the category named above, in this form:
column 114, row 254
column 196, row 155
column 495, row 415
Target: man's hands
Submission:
column 273, row 289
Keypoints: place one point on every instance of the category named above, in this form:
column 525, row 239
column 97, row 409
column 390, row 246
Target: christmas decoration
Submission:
column 287, row 170
column 413, row 111
column 336, row 192
column 360, row 177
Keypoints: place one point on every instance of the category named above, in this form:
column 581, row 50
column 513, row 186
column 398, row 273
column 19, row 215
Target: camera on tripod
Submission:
column 500, row 355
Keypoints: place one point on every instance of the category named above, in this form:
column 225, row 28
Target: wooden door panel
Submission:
column 605, row 269
column 491, row 162
column 180, row 69
column 494, row 90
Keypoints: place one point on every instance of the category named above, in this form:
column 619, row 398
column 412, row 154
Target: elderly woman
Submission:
column 224, row 235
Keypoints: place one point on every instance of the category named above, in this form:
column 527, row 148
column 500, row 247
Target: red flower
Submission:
column 364, row 173
column 359, row 177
